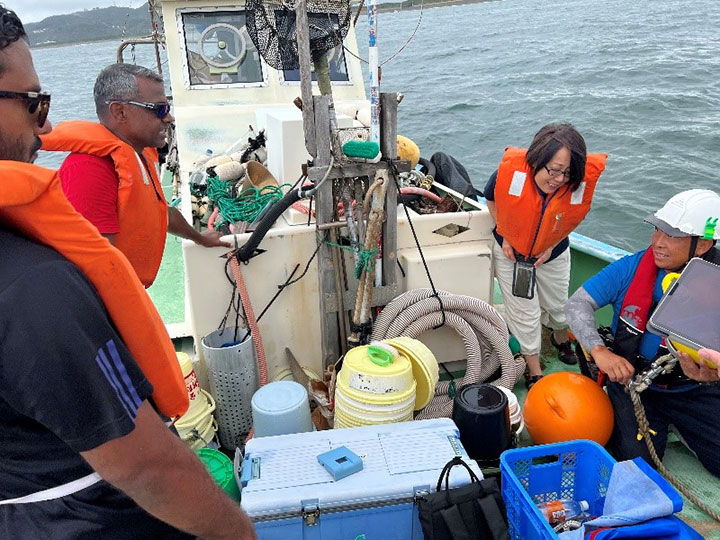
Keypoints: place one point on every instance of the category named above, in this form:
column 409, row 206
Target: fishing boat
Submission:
column 298, row 275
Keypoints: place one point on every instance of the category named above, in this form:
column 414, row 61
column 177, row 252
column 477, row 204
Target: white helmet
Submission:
column 694, row 212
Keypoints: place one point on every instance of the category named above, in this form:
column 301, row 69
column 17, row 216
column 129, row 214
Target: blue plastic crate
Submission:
column 578, row 470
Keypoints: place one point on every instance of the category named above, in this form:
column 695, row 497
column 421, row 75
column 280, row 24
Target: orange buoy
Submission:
column 565, row 406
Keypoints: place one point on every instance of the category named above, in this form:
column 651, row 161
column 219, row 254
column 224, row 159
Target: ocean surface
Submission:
column 640, row 80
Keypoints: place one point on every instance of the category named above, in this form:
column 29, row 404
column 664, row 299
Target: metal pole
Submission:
column 154, row 25
column 374, row 73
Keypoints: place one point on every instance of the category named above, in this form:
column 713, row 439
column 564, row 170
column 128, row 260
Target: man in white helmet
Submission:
column 685, row 227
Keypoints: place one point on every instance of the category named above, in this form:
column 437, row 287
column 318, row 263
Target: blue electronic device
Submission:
column 341, row 462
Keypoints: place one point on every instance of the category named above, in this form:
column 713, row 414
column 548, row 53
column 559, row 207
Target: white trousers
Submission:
column 526, row 317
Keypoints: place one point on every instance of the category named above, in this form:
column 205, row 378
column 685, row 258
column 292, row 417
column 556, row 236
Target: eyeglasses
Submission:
column 36, row 102
column 161, row 109
column 554, row 173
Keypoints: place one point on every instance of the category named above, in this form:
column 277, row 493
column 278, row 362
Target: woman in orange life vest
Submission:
column 537, row 197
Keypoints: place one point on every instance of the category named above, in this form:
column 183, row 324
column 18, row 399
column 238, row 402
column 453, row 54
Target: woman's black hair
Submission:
column 552, row 138
column 11, row 29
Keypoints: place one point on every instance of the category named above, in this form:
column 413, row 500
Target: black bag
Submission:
column 472, row 512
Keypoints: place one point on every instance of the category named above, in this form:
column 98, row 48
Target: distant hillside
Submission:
column 90, row 25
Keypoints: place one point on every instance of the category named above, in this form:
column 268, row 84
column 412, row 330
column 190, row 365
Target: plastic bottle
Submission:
column 562, row 509
column 204, row 159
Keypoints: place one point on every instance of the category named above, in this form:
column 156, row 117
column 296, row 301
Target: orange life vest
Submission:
column 520, row 215
column 32, row 203
column 142, row 209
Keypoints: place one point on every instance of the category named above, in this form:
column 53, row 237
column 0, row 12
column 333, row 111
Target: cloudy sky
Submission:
column 37, row 10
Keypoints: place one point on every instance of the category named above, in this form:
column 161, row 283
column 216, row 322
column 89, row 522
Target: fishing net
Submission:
column 272, row 29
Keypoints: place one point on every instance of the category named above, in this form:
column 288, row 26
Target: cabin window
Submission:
column 336, row 57
column 219, row 49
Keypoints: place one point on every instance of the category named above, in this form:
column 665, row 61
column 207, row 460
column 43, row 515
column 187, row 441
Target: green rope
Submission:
column 366, row 257
column 247, row 205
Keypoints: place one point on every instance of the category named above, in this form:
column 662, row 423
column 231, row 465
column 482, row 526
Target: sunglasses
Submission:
column 161, row 109
column 37, row 102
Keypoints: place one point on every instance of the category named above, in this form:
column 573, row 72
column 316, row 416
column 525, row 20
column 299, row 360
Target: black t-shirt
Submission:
column 67, row 385
column 489, row 193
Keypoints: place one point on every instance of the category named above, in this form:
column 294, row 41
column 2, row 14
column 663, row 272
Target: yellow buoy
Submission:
column 408, row 150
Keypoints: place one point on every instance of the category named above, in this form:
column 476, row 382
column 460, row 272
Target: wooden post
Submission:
column 302, row 32
column 388, row 124
column 324, row 213
column 388, row 147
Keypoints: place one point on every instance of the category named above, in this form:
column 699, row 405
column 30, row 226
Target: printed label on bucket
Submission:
column 192, row 385
column 376, row 385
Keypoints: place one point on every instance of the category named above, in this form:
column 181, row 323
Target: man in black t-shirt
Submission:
column 84, row 453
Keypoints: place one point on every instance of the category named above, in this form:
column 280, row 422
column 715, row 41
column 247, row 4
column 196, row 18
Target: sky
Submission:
column 36, row 10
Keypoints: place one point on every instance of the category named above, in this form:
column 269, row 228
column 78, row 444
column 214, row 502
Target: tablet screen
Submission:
column 690, row 310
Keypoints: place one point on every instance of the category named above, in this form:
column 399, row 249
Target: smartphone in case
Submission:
column 523, row 285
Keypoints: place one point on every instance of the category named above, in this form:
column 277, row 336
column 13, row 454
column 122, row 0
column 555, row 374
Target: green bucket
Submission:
column 220, row 468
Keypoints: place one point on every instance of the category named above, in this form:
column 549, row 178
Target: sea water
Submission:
column 639, row 79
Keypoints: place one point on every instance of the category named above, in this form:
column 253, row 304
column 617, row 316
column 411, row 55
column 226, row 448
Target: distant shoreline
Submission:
column 399, row 6
column 394, row 6
column 84, row 42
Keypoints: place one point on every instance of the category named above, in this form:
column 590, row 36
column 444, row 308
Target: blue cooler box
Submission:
column 289, row 495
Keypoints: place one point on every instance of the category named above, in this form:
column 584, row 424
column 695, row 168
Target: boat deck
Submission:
column 169, row 297
column 678, row 459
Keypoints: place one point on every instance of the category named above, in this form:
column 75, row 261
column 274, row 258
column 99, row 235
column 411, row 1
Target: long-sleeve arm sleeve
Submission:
column 580, row 314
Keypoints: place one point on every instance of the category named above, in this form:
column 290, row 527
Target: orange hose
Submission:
column 251, row 320
column 211, row 219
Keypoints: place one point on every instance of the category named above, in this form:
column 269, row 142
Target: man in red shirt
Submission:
column 112, row 176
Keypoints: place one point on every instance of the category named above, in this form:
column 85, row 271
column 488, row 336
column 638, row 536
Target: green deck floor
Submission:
column 168, row 291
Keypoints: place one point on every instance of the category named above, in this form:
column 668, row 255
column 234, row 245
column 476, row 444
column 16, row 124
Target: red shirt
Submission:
column 91, row 185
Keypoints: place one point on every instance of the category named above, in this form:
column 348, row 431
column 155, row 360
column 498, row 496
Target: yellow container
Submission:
column 370, row 369
column 286, row 375
column 345, row 420
column 424, row 367
column 374, row 386
column 375, row 409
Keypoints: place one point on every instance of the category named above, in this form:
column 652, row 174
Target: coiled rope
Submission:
column 247, row 206
column 480, row 326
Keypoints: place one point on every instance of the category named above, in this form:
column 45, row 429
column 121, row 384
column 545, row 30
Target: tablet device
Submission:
column 689, row 313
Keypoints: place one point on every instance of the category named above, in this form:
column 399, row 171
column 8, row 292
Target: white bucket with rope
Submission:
column 197, row 427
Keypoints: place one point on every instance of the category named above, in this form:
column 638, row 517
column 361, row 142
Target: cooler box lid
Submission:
column 282, row 475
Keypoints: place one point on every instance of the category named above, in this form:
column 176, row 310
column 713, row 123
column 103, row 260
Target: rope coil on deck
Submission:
column 482, row 329
column 644, row 431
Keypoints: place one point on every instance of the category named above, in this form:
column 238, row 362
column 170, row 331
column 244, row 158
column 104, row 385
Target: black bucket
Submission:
column 481, row 413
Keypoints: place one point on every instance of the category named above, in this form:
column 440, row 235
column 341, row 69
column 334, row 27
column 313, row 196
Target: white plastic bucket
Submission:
column 188, row 371
column 281, row 408
column 197, row 427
